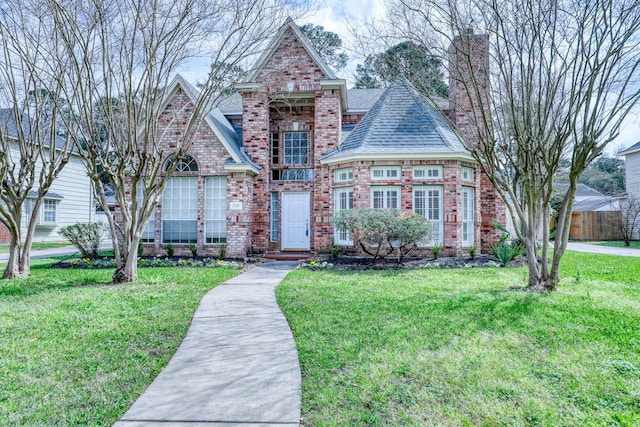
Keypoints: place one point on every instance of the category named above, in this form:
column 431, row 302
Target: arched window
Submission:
column 185, row 164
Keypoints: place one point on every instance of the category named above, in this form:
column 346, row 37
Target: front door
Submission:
column 295, row 221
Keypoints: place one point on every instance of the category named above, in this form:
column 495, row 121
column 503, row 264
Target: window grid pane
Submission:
column 180, row 210
column 468, row 211
column 148, row 233
column 343, row 201
column 275, row 217
column 427, row 201
column 49, row 211
column 215, row 209
column 296, row 148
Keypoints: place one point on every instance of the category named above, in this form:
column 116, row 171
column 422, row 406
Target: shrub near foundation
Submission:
column 86, row 236
column 383, row 232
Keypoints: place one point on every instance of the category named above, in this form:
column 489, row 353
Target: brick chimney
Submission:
column 468, row 91
column 468, row 75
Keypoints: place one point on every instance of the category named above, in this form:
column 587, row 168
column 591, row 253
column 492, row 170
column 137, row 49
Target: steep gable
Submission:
column 290, row 58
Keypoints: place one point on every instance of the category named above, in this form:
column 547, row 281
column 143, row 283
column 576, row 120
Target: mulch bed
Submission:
column 353, row 263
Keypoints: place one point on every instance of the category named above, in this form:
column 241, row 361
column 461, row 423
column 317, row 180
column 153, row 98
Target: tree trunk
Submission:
column 12, row 270
column 128, row 272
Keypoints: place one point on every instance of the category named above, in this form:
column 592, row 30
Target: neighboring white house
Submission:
column 70, row 200
column 632, row 169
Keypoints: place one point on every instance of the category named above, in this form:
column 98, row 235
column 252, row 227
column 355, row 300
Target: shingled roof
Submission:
column 401, row 124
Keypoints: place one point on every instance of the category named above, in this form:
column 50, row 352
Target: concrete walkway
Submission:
column 601, row 249
column 59, row 251
column 237, row 366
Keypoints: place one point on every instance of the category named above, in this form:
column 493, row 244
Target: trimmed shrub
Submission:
column 380, row 233
column 86, row 236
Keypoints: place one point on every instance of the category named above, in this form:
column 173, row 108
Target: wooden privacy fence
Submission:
column 596, row 225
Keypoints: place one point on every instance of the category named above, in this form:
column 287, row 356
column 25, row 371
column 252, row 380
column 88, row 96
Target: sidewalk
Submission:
column 237, row 366
column 60, row 251
column 601, row 249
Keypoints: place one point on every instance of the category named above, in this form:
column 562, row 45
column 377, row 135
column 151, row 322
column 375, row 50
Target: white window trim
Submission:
column 208, row 211
column 336, row 233
column 469, row 171
column 164, row 211
column 337, row 172
column 427, row 169
column 468, row 216
column 386, row 171
column 440, row 222
column 387, row 189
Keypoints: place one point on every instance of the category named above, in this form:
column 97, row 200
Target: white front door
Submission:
column 295, row 221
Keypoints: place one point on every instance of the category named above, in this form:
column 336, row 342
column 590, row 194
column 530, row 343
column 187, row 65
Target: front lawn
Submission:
column 75, row 350
column 460, row 348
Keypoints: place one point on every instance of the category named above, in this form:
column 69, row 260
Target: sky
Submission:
column 334, row 15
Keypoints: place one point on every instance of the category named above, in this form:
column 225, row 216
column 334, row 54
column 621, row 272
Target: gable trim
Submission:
column 275, row 43
column 180, row 83
column 340, row 158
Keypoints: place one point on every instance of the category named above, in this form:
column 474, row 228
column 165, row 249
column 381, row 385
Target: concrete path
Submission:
column 59, row 251
column 601, row 249
column 237, row 366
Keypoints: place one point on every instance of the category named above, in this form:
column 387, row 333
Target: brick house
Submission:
column 269, row 167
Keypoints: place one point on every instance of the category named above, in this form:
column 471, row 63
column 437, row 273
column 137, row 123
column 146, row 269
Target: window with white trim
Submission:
column 468, row 213
column 49, row 211
column 185, row 164
column 148, row 233
column 385, row 172
column 427, row 201
column 427, row 172
column 385, row 197
column 215, row 209
column 296, row 148
column 343, row 201
column 275, row 217
column 48, row 214
column 468, row 174
column 343, row 174
column 180, row 210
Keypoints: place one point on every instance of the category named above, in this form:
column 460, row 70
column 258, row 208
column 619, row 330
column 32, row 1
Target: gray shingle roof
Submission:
column 230, row 134
column 591, row 204
column 582, row 190
column 634, row 147
column 402, row 121
column 10, row 128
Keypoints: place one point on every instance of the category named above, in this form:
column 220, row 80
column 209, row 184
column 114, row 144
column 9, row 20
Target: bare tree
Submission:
column 630, row 221
column 34, row 144
column 560, row 78
column 126, row 52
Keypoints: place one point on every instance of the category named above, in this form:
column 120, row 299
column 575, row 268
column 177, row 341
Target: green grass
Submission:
column 4, row 249
column 635, row 244
column 75, row 350
column 460, row 348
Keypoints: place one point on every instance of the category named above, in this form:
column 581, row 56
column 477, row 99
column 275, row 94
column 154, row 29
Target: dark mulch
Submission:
column 347, row 263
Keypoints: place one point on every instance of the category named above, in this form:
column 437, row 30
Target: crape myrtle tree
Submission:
column 562, row 77
column 34, row 146
column 125, row 52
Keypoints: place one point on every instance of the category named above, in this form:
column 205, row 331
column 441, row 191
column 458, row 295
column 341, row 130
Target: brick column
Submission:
column 255, row 134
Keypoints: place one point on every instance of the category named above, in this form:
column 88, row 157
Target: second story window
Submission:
column 296, row 148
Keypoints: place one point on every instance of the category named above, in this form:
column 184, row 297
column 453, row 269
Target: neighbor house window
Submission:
column 427, row 172
column 49, row 211
column 275, row 217
column 468, row 174
column 468, row 212
column 427, row 201
column 148, row 234
column 383, row 197
column 215, row 209
column 343, row 201
column 385, row 172
column 296, row 148
column 180, row 210
column 342, row 175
